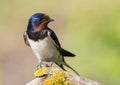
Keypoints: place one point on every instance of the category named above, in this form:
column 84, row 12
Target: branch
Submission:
column 54, row 76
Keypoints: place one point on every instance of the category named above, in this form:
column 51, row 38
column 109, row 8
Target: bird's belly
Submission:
column 44, row 49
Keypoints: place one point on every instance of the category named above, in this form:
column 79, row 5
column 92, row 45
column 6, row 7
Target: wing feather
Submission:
column 56, row 43
column 25, row 39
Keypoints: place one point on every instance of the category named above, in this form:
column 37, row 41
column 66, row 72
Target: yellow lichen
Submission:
column 41, row 72
column 57, row 78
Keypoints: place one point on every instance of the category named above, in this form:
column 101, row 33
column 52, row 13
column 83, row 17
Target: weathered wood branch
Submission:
column 54, row 76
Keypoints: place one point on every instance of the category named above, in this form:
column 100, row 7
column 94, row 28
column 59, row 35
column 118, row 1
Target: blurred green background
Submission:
column 88, row 28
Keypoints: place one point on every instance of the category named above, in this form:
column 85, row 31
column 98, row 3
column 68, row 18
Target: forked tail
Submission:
column 64, row 63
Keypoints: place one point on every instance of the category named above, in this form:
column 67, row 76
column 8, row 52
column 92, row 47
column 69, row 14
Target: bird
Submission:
column 44, row 42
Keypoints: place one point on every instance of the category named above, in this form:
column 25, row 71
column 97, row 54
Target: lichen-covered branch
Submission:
column 54, row 76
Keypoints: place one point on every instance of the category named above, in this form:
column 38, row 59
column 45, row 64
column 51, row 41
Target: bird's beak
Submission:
column 50, row 20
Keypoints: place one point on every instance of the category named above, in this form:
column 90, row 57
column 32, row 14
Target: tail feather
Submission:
column 61, row 66
column 64, row 63
column 67, row 53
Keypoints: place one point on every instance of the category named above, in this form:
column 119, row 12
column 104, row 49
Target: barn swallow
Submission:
column 44, row 41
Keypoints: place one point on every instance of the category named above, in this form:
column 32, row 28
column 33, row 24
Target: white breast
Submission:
column 44, row 49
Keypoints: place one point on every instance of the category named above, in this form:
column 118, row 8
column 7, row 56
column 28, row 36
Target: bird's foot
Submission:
column 44, row 64
column 38, row 66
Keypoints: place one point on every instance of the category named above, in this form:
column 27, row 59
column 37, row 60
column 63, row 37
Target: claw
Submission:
column 39, row 65
column 44, row 64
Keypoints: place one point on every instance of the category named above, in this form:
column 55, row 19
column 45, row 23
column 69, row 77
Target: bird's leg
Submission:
column 51, row 63
column 47, row 64
column 39, row 65
column 44, row 64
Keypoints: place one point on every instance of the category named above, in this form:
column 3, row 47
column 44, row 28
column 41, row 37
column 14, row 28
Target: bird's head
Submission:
column 38, row 22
